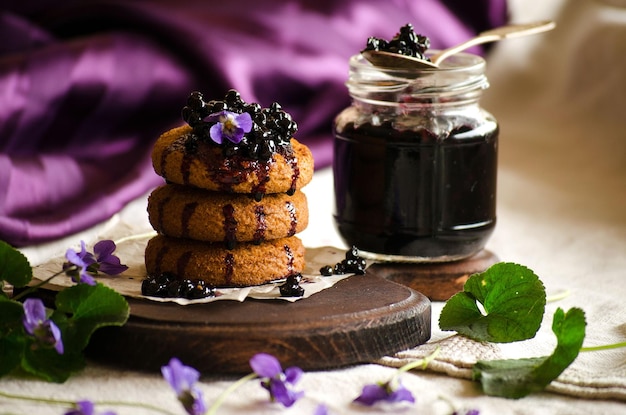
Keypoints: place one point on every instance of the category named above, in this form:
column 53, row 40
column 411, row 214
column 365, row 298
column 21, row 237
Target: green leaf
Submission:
column 47, row 364
column 517, row 378
column 11, row 335
column 11, row 349
column 11, row 313
column 14, row 267
column 88, row 308
column 504, row 304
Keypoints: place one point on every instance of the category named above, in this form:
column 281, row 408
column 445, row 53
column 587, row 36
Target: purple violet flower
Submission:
column 78, row 264
column 229, row 125
column 182, row 379
column 384, row 392
column 81, row 265
column 86, row 408
column 108, row 263
column 39, row 326
column 279, row 384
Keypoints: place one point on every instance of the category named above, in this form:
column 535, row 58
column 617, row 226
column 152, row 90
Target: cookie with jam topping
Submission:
column 234, row 147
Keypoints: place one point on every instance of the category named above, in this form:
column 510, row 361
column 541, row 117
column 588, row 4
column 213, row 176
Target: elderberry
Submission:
column 326, row 270
column 271, row 132
column 291, row 287
column 165, row 285
column 405, row 42
column 351, row 264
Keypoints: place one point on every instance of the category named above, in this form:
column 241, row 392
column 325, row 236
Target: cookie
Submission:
column 203, row 164
column 187, row 212
column 245, row 265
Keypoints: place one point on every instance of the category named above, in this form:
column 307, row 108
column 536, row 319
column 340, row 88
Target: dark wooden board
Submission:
column 360, row 319
column 437, row 281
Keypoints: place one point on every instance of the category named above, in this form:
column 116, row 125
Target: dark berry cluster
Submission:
column 291, row 287
column 405, row 42
column 351, row 264
column 271, row 131
column 166, row 285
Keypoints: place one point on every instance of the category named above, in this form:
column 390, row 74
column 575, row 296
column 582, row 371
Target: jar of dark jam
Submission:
column 415, row 162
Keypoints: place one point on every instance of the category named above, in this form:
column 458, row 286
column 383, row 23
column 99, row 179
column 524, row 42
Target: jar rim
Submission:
column 459, row 62
column 458, row 76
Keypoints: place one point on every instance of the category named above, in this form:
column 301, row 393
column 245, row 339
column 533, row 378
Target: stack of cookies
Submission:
column 232, row 203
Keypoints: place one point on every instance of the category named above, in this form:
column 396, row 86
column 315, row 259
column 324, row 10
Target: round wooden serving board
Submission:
column 359, row 319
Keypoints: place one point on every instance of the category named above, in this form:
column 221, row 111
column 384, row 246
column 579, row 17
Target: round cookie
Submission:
column 188, row 212
column 204, row 165
column 245, row 265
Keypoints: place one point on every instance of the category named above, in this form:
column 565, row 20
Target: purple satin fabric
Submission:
column 86, row 87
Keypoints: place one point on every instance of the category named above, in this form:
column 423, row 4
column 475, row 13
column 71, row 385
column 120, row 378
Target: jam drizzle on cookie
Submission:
column 271, row 134
column 230, row 226
column 261, row 225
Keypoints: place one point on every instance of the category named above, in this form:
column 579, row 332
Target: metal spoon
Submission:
column 396, row 60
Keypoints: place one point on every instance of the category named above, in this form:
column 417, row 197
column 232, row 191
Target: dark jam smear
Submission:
column 230, row 226
column 413, row 193
column 188, row 210
column 229, row 265
column 291, row 208
column 261, row 225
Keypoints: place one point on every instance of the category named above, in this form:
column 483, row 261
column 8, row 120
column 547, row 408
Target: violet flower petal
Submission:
column 401, row 394
column 86, row 408
column 180, row 377
column 282, row 393
column 371, row 394
column 86, row 257
column 87, row 279
column 216, row 133
column 82, row 408
column 55, row 331
column 34, row 314
column 244, row 121
column 39, row 326
column 293, row 374
column 82, row 261
column 107, row 262
column 74, row 258
column 112, row 267
column 265, row 365
column 103, row 249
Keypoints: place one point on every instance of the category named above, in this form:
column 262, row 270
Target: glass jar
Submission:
column 415, row 162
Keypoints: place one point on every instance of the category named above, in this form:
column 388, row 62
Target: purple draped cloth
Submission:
column 87, row 86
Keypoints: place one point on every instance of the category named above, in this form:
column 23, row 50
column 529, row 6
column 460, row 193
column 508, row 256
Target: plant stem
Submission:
column 71, row 403
column 220, row 399
column 603, row 347
column 558, row 297
column 34, row 288
column 421, row 362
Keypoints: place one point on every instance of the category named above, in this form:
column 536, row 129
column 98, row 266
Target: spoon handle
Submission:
column 492, row 35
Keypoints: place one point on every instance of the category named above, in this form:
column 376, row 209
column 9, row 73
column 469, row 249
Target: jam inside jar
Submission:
column 415, row 162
